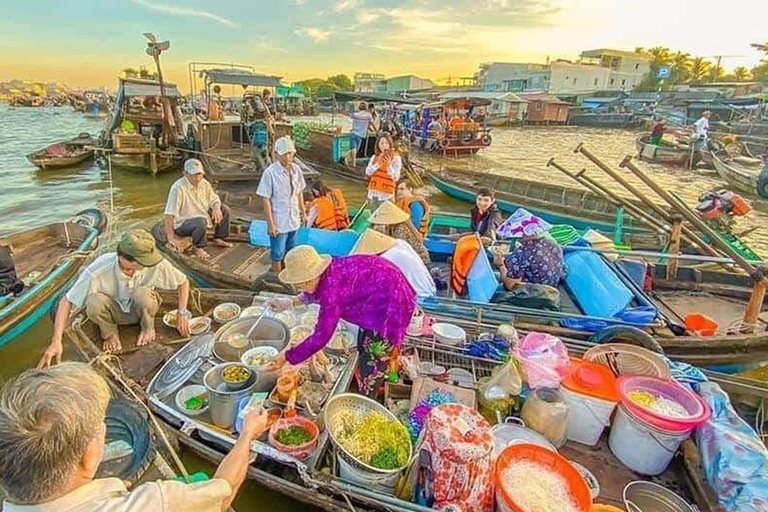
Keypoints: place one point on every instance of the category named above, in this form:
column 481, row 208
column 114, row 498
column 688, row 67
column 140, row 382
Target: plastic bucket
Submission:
column 587, row 417
column 698, row 410
column 641, row 447
column 649, row 497
column 385, row 482
column 701, row 325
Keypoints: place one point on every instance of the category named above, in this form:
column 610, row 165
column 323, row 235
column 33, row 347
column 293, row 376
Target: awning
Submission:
column 148, row 88
column 373, row 97
column 240, row 77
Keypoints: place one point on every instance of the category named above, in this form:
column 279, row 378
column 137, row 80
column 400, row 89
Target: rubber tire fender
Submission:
column 627, row 334
column 486, row 140
column 762, row 183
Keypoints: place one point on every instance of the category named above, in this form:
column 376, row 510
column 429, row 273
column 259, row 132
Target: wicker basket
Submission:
column 624, row 359
column 357, row 404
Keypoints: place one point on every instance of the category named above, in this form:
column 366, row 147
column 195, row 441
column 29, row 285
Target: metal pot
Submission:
column 269, row 333
column 221, row 401
column 644, row 496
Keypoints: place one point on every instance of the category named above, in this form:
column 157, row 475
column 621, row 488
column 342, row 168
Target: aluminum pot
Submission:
column 269, row 333
column 644, row 496
column 222, row 403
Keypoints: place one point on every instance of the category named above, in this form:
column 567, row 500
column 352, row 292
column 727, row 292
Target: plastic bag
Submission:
column 505, row 382
column 544, row 359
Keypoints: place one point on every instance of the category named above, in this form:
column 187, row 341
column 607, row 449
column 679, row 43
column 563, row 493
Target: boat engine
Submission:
column 721, row 207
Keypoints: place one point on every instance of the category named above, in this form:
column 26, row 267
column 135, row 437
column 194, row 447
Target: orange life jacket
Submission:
column 380, row 180
column 405, row 205
column 332, row 211
column 467, row 248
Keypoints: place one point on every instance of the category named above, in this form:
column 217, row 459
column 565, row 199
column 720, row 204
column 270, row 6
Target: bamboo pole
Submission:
column 755, row 305
column 689, row 233
column 674, row 248
column 598, row 189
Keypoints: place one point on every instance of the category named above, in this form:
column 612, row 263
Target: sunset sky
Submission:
column 86, row 43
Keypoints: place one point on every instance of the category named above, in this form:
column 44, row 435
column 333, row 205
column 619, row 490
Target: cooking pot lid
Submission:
column 182, row 365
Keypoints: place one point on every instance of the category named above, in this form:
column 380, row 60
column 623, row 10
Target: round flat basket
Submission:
column 333, row 418
column 625, row 359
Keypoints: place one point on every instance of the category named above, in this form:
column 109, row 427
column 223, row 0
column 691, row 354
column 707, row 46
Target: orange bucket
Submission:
column 577, row 486
column 701, row 325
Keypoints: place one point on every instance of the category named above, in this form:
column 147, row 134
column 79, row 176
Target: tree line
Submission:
column 689, row 69
column 319, row 88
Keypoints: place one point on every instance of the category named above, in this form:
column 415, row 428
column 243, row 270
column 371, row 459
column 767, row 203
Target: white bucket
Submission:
column 378, row 481
column 587, row 417
column 641, row 447
column 416, row 325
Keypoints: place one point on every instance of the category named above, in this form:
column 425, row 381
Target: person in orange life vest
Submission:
column 416, row 206
column 384, row 172
column 327, row 209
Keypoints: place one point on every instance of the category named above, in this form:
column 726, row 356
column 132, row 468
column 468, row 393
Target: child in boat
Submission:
column 485, row 215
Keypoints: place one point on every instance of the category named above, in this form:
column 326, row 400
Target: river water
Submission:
column 33, row 197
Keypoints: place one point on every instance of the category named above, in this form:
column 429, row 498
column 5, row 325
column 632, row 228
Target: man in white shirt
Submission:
column 361, row 120
column 119, row 289
column 701, row 129
column 53, row 439
column 402, row 255
column 192, row 207
column 281, row 188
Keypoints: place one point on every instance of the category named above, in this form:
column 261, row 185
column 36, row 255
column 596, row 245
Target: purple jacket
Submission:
column 367, row 291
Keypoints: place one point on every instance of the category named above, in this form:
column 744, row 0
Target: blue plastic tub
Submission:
column 595, row 286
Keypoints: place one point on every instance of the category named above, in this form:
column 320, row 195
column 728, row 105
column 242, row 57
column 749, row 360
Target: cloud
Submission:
column 345, row 5
column 266, row 44
column 315, row 34
column 368, row 16
column 300, row 2
column 186, row 12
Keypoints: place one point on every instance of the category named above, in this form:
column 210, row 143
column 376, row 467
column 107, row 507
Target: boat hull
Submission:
column 661, row 154
column 739, row 178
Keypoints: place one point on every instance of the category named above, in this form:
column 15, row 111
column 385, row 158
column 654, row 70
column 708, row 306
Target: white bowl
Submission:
column 188, row 392
column 169, row 315
column 224, row 307
column 252, row 311
column 199, row 325
column 449, row 334
column 266, row 351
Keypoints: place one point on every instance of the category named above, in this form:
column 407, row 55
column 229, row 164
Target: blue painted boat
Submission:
column 556, row 204
column 47, row 259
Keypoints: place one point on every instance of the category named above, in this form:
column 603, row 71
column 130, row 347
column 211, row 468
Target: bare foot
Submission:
column 200, row 253
column 145, row 338
column 112, row 344
column 219, row 242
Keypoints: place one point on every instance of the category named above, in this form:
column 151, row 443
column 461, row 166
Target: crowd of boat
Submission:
column 627, row 393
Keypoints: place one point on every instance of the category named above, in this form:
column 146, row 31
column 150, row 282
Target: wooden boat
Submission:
column 741, row 176
column 314, row 481
column 47, row 259
column 459, row 134
column 64, row 154
column 556, row 204
column 663, row 154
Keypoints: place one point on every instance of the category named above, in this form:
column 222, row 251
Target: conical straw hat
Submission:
column 373, row 242
column 388, row 214
column 302, row 264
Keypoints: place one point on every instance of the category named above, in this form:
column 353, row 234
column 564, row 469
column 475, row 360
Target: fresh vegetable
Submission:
column 373, row 439
column 293, row 436
column 195, row 403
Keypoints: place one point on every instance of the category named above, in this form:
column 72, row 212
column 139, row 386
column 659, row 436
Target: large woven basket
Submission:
column 357, row 404
column 625, row 359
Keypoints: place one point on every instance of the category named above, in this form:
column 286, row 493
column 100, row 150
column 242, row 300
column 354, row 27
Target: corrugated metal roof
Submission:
column 542, row 96
column 135, row 87
column 494, row 96
column 240, row 77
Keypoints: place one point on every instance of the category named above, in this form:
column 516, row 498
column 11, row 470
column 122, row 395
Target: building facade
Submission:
column 373, row 82
column 512, row 77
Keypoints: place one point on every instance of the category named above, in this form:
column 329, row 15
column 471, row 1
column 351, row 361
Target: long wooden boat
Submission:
column 314, row 481
column 663, row 154
column 743, row 178
column 47, row 259
column 556, row 204
column 64, row 154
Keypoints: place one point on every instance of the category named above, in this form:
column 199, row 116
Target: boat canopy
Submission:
column 373, row 97
column 239, row 77
column 134, row 87
column 464, row 102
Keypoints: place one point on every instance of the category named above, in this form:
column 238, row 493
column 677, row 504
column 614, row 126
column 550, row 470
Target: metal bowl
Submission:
column 270, row 332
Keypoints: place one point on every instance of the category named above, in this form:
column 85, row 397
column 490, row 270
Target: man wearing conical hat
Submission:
column 402, row 255
column 394, row 222
column 118, row 288
column 364, row 290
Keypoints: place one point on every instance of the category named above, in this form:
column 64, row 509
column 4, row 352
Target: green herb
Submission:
column 387, row 458
column 196, row 403
column 293, row 436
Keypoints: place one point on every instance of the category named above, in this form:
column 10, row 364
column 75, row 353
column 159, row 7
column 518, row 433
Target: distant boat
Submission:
column 741, row 172
column 662, row 154
column 64, row 154
column 47, row 258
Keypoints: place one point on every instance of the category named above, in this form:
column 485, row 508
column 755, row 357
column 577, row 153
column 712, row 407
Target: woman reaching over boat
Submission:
column 328, row 209
column 485, row 215
column 532, row 271
column 367, row 291
column 394, row 222
column 384, row 172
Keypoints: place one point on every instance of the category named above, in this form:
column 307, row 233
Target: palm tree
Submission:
column 741, row 73
column 661, row 56
column 715, row 73
column 761, row 47
column 681, row 67
column 699, row 69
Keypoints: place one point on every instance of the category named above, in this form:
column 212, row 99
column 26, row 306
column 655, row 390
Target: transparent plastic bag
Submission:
column 505, row 382
column 544, row 359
